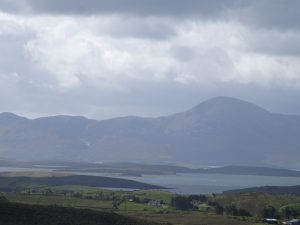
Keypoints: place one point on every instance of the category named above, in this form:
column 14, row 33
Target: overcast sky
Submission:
column 102, row 59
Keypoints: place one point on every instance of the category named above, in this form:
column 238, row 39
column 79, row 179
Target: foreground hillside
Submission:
column 238, row 209
column 220, row 131
column 137, row 209
column 19, row 214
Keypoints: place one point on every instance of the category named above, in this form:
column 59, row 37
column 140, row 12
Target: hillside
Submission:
column 219, row 131
column 18, row 214
column 283, row 190
column 18, row 183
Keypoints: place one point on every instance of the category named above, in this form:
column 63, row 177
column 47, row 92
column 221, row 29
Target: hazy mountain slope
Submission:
column 219, row 131
column 227, row 129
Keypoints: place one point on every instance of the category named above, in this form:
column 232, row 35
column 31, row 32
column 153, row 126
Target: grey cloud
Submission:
column 12, row 57
column 182, row 65
column 183, row 53
column 275, row 42
column 144, row 99
column 137, row 7
column 20, row 6
column 150, row 28
column 266, row 13
column 271, row 13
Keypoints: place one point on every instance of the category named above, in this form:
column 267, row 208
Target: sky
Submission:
column 103, row 59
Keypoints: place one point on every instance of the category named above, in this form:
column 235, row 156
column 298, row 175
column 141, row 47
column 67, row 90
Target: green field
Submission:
column 155, row 195
column 133, row 206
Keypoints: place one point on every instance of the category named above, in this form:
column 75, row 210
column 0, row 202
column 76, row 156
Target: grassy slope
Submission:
column 89, row 203
column 294, row 206
column 134, row 210
column 187, row 218
column 255, row 202
column 132, row 206
column 18, row 214
column 11, row 183
column 291, row 190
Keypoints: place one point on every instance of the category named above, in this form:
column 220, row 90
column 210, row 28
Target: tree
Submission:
column 269, row 212
column 231, row 210
column 244, row 212
column 234, row 211
column 202, row 198
column 288, row 213
column 77, row 195
column 219, row 209
column 181, row 203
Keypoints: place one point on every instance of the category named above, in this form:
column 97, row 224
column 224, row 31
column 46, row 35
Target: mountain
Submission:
column 219, row 131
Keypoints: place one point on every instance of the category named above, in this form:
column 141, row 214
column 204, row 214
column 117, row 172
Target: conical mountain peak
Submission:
column 222, row 104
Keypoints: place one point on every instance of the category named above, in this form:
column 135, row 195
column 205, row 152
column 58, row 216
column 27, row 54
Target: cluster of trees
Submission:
column 185, row 202
column 202, row 198
column 268, row 211
column 287, row 212
column 229, row 210
column 235, row 211
column 181, row 203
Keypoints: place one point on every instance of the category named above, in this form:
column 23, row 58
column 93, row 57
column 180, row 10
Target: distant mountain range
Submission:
column 219, row 131
column 138, row 169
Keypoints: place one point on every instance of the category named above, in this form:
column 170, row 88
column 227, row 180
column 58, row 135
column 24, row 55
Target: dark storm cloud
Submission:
column 271, row 13
column 137, row 7
column 266, row 13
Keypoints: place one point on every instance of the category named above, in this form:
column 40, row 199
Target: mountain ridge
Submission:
column 219, row 131
column 208, row 101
